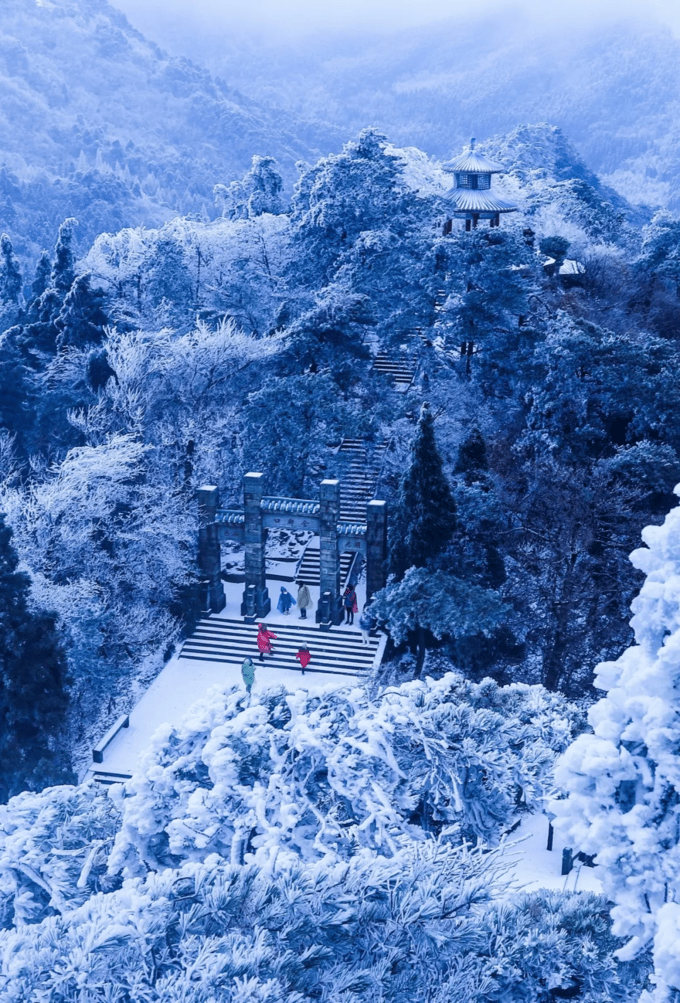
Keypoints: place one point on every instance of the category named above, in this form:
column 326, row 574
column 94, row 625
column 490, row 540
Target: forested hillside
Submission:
column 181, row 303
column 99, row 124
column 169, row 358
column 606, row 83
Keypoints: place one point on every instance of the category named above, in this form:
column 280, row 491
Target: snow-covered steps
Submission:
column 334, row 652
column 359, row 484
column 400, row 371
column 106, row 777
column 309, row 571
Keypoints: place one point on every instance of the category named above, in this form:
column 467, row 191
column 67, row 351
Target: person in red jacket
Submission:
column 264, row 641
column 304, row 657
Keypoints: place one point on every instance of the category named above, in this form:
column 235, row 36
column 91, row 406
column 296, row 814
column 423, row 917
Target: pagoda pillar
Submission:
column 256, row 602
column 213, row 599
column 330, row 608
column 376, row 547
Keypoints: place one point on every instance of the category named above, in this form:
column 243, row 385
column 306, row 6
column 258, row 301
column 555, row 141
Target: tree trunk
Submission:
column 420, row 657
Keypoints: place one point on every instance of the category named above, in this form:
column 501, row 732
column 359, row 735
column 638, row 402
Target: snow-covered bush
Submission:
column 331, row 775
column 624, row 778
column 53, row 851
column 414, row 927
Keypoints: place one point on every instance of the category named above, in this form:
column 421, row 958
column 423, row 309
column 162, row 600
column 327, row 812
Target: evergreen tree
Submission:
column 41, row 281
column 33, row 698
column 10, row 274
column 472, row 459
column 82, row 318
column 425, row 516
column 63, row 272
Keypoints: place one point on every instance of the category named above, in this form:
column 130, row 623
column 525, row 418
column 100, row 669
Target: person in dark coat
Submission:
column 285, row 601
column 349, row 601
column 248, row 673
column 264, row 641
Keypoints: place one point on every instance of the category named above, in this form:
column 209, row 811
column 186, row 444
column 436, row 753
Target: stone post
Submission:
column 376, row 547
column 329, row 612
column 213, row 599
column 256, row 576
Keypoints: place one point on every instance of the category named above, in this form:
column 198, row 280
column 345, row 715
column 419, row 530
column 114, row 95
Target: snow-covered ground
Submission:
column 533, row 866
column 181, row 683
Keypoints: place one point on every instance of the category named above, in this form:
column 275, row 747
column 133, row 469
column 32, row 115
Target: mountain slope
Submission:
column 97, row 122
column 610, row 87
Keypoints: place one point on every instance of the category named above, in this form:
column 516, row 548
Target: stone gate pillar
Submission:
column 213, row 599
column 376, row 547
column 256, row 602
column 330, row 609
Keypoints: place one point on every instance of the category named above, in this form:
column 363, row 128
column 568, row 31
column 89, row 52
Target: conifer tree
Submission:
column 425, row 516
column 10, row 274
column 33, row 699
column 63, row 272
column 472, row 459
column 42, row 276
column 82, row 318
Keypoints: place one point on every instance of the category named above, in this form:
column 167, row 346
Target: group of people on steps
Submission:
column 304, row 602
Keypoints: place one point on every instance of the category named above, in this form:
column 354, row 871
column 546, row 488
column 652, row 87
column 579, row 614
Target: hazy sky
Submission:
column 299, row 16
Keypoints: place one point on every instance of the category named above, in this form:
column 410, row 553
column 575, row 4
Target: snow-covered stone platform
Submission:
column 212, row 656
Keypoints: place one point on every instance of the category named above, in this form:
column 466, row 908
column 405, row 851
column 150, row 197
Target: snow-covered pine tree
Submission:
column 425, row 515
column 10, row 281
column 623, row 779
column 42, row 276
column 63, row 272
column 82, row 318
column 33, row 696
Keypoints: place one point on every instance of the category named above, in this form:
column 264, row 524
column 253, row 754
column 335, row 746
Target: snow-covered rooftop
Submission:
column 476, row 200
column 471, row 162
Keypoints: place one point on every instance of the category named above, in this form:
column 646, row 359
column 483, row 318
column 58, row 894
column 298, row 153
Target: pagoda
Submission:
column 472, row 198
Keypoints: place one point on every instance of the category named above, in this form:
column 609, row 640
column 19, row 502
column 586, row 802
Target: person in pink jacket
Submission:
column 264, row 641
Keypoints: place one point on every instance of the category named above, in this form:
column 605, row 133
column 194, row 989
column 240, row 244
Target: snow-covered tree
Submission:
column 334, row 775
column 259, row 191
column 429, row 601
column 623, row 779
column 425, row 515
column 33, row 684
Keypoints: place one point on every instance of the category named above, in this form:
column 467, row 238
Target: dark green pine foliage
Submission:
column 63, row 272
column 472, row 458
column 41, row 281
column 10, row 273
column 82, row 319
column 33, row 679
column 425, row 516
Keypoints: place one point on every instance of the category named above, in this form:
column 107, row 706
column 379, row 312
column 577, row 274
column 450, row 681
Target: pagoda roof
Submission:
column 471, row 162
column 478, row 200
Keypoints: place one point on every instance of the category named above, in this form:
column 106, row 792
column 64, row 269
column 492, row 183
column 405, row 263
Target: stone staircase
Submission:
column 309, row 571
column 358, row 485
column 400, row 370
column 337, row 651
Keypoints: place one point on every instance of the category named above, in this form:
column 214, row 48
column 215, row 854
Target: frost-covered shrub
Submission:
column 332, row 774
column 53, row 851
column 415, row 927
column 624, row 778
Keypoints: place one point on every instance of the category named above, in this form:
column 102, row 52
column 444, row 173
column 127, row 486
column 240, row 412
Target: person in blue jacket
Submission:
column 285, row 601
column 366, row 624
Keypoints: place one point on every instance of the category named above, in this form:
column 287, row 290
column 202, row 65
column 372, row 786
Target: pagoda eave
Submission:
column 480, row 213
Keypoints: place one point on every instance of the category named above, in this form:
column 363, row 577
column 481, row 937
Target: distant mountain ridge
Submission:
column 611, row 88
column 97, row 122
